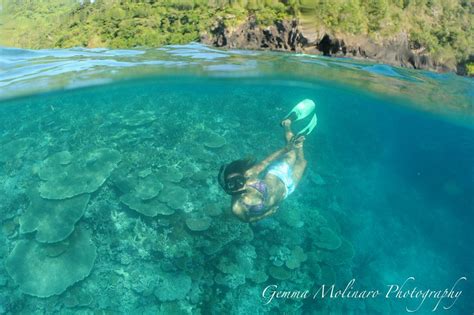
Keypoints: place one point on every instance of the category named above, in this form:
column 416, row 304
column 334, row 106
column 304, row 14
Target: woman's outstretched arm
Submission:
column 257, row 169
column 293, row 143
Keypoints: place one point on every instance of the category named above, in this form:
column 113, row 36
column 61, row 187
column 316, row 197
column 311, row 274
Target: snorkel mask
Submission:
column 233, row 183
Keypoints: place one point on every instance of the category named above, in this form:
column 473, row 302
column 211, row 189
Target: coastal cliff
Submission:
column 290, row 35
column 433, row 35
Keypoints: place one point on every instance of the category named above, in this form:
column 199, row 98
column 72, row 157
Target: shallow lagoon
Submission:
column 109, row 163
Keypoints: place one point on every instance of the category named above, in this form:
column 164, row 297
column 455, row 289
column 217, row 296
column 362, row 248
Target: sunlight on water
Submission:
column 27, row 71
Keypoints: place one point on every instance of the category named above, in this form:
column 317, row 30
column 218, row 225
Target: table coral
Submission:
column 198, row 224
column 174, row 196
column 213, row 140
column 49, row 167
column 41, row 274
column 279, row 273
column 327, row 239
column 85, row 174
column 148, row 187
column 170, row 174
column 150, row 208
column 53, row 220
column 342, row 255
column 297, row 256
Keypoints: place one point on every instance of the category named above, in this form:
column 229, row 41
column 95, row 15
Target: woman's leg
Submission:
column 300, row 163
column 287, row 126
column 290, row 157
column 294, row 158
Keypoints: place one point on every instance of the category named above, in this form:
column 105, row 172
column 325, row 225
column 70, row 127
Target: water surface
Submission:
column 390, row 174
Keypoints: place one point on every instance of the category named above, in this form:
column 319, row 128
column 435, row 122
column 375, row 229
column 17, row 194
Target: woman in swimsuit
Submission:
column 257, row 194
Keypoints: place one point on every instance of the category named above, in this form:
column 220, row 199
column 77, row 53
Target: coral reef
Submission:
column 172, row 287
column 150, row 208
column 16, row 149
column 198, row 224
column 43, row 270
column 213, row 140
column 327, row 239
column 119, row 210
column 53, row 220
column 85, row 174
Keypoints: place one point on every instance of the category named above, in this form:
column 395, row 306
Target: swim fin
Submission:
column 302, row 110
column 307, row 130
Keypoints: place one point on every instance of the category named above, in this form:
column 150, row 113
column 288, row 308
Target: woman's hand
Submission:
column 295, row 142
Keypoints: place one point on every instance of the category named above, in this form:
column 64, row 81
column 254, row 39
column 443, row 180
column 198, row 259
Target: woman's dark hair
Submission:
column 231, row 176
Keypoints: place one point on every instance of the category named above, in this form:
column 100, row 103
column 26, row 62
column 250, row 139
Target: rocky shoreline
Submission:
column 294, row 37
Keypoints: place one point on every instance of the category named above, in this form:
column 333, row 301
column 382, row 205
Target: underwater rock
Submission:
column 198, row 224
column 37, row 273
column 279, row 273
column 53, row 220
column 327, row 239
column 297, row 256
column 85, row 174
column 174, row 196
column 213, row 141
column 172, row 286
column 342, row 255
column 150, row 208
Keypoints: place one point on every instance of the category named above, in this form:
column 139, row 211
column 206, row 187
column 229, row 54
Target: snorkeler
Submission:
column 257, row 189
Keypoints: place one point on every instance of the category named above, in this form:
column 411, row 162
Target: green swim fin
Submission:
column 302, row 110
column 307, row 130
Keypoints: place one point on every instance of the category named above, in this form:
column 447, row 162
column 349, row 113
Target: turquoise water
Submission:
column 109, row 199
